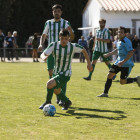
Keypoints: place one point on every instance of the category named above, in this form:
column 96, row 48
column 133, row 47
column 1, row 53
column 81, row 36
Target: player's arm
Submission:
column 72, row 36
column 104, row 40
column 94, row 44
column 89, row 66
column 107, row 39
column 42, row 40
column 114, row 52
column 47, row 52
column 129, row 55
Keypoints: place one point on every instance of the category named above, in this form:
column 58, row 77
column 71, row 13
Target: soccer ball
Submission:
column 49, row 110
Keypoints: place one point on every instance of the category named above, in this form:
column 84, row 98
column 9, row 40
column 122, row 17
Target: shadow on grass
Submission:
column 125, row 98
column 72, row 110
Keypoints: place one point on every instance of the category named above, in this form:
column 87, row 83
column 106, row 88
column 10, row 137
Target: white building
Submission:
column 116, row 12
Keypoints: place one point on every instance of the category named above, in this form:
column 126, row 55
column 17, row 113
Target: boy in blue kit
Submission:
column 123, row 64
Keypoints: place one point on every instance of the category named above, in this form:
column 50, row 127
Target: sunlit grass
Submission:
column 23, row 90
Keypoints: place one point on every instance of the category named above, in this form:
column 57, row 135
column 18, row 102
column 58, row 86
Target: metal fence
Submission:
column 26, row 50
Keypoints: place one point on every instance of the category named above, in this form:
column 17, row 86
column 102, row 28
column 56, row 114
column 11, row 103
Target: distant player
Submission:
column 123, row 64
column 102, row 37
column 62, row 52
column 52, row 29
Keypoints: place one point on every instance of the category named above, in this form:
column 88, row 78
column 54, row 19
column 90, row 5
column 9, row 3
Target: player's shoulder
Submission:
column 50, row 20
column 126, row 40
column 64, row 20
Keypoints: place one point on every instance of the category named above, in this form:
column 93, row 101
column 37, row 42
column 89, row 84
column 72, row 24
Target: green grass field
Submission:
column 23, row 90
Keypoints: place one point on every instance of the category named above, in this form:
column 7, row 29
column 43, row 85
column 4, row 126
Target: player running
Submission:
column 52, row 29
column 62, row 52
column 123, row 64
column 101, row 40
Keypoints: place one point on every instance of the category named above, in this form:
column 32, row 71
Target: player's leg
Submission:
column 106, row 60
column 61, row 103
column 50, row 65
column 59, row 92
column 124, row 79
column 61, row 81
column 50, row 89
column 112, row 72
column 95, row 57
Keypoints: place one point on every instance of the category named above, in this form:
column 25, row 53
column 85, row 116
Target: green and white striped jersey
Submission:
column 52, row 29
column 62, row 56
column 100, row 45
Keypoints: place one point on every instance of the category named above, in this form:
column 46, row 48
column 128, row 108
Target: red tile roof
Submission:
column 120, row 5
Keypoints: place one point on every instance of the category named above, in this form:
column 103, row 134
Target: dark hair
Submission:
column 102, row 20
column 56, row 6
column 64, row 32
column 35, row 36
column 123, row 28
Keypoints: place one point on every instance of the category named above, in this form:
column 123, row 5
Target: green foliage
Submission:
column 23, row 90
column 29, row 16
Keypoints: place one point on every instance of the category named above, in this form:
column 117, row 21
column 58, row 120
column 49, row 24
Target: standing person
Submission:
column 15, row 44
column 62, row 52
column 91, row 43
column 9, row 40
column 52, row 29
column 89, row 36
column 83, row 43
column 114, row 47
column 1, row 45
column 35, row 48
column 123, row 64
column 135, row 43
column 101, row 40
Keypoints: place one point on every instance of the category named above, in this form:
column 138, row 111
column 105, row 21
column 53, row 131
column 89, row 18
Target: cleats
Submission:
column 67, row 105
column 46, row 102
column 138, row 80
column 61, row 103
column 87, row 78
column 57, row 100
column 103, row 95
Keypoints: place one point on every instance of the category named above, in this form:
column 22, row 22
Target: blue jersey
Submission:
column 123, row 47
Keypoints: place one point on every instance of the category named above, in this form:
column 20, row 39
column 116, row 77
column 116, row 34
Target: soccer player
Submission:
column 123, row 64
column 62, row 52
column 102, row 38
column 52, row 29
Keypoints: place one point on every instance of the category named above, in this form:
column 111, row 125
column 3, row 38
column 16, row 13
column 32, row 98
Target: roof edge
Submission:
column 86, row 6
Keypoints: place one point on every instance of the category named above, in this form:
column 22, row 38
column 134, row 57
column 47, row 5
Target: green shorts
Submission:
column 50, row 62
column 97, row 54
column 61, row 80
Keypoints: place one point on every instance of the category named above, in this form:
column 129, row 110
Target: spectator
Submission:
column 91, row 43
column 135, row 43
column 129, row 36
column 15, row 44
column 109, row 47
column 89, row 36
column 116, row 36
column 35, row 46
column 1, row 44
column 9, row 40
column 83, row 43
column 114, row 44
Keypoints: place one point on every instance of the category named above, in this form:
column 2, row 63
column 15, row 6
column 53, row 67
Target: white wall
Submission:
column 91, row 17
column 137, row 29
column 117, row 19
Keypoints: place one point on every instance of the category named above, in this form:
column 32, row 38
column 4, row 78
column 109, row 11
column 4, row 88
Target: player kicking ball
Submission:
column 123, row 64
column 62, row 52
